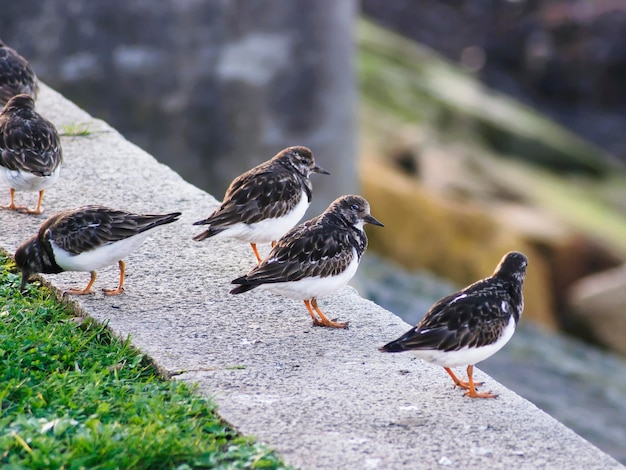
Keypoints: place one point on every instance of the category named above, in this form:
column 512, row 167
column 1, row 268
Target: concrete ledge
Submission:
column 322, row 398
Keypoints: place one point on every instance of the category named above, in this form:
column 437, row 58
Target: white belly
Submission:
column 308, row 288
column 102, row 256
column 466, row 356
column 25, row 181
column 268, row 230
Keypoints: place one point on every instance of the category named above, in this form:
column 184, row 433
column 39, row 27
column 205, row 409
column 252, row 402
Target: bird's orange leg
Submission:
column 458, row 382
column 87, row 290
column 256, row 252
column 316, row 322
column 120, row 287
column 471, row 392
column 37, row 210
column 12, row 206
column 325, row 321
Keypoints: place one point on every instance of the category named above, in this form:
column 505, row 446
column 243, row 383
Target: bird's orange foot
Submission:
column 459, row 383
column 323, row 320
column 330, row 323
column 26, row 210
column 118, row 291
column 78, row 292
column 472, row 393
column 13, row 207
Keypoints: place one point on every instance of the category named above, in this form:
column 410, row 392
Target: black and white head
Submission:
column 354, row 210
column 19, row 104
column 512, row 266
column 32, row 258
column 301, row 160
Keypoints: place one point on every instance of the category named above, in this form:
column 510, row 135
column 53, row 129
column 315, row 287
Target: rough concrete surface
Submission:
column 322, row 398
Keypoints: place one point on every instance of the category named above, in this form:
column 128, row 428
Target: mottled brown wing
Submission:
column 460, row 320
column 30, row 145
column 309, row 250
column 264, row 195
column 92, row 226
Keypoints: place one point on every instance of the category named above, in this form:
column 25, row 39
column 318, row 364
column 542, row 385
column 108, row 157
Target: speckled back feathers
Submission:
column 269, row 190
column 323, row 246
column 28, row 142
column 472, row 317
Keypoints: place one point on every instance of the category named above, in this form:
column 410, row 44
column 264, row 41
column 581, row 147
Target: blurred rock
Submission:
column 600, row 299
column 573, row 259
column 566, row 58
column 458, row 201
column 415, row 83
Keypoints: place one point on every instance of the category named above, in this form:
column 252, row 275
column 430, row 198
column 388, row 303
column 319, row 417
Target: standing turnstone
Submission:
column 262, row 204
column 16, row 75
column 469, row 326
column 86, row 239
column 315, row 258
column 30, row 150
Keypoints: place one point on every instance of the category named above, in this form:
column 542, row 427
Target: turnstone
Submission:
column 16, row 75
column 264, row 203
column 86, row 239
column 315, row 258
column 30, row 150
column 469, row 326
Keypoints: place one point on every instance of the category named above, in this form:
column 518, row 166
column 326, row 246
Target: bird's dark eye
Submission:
column 354, row 207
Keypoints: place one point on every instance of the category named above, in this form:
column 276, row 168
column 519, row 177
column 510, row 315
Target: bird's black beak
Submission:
column 25, row 276
column 371, row 220
column 319, row 169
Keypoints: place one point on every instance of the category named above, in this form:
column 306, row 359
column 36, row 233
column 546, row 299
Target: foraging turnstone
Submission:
column 16, row 75
column 262, row 204
column 315, row 258
column 86, row 239
column 30, row 150
column 469, row 326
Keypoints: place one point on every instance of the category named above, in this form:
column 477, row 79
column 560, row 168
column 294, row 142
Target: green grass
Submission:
column 76, row 129
column 73, row 396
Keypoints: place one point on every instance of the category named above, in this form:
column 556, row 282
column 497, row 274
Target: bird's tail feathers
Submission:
column 243, row 288
column 202, row 222
column 394, row 346
column 206, row 234
column 173, row 217
column 150, row 221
